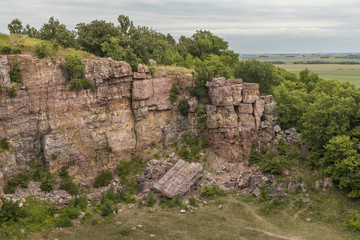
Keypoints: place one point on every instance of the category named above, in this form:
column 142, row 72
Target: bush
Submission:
column 124, row 169
column 107, row 208
column 184, row 107
column 21, row 179
column 63, row 221
column 15, row 75
column 108, row 148
column 282, row 147
column 43, row 50
column 174, row 93
column 64, row 174
column 71, row 212
column 69, row 186
column 48, row 183
column 192, row 202
column 212, row 192
column 201, row 117
column 4, row 144
column 80, row 202
column 150, row 200
column 353, row 221
column 10, row 211
column 103, row 179
column 12, row 92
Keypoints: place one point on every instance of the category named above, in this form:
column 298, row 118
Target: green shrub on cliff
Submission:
column 103, row 179
column 184, row 107
column 174, row 93
column 43, row 50
column 4, row 144
column 15, row 75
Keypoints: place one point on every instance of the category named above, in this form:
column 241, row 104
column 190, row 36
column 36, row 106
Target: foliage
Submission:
column 190, row 149
column 108, row 148
column 201, row 117
column 212, row 192
column 63, row 221
column 342, row 162
column 184, row 107
column 282, row 147
column 4, row 144
column 48, row 183
column 79, row 202
column 174, row 93
column 69, row 186
column 103, row 179
column 266, row 74
column 15, row 75
column 16, row 27
column 353, row 221
column 150, row 200
column 12, row 92
column 107, row 208
column 43, row 50
column 192, row 202
column 76, row 73
column 22, row 179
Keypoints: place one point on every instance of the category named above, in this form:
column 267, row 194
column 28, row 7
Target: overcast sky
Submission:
column 252, row 26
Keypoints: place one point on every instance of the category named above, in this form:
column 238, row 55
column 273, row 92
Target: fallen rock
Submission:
column 178, row 180
column 328, row 183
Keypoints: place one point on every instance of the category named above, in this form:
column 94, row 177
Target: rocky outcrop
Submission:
column 178, row 180
column 126, row 111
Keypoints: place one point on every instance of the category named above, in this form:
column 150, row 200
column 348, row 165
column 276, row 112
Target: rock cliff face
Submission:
column 127, row 110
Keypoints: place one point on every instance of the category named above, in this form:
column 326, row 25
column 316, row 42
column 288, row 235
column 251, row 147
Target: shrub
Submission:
column 43, row 50
column 174, row 93
column 69, row 186
column 150, row 200
column 108, row 195
column 4, row 144
column 175, row 202
column 63, row 221
column 201, row 117
column 353, row 221
column 212, row 192
column 12, row 92
column 64, row 174
column 271, row 163
column 21, row 179
column 79, row 202
column 106, row 209
column 192, row 202
column 282, row 147
column 48, row 183
column 103, row 179
column 184, row 107
column 108, row 148
column 10, row 211
column 15, row 75
column 71, row 212
column 124, row 169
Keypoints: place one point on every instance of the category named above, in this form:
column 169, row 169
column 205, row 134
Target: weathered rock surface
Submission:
column 127, row 110
column 178, row 180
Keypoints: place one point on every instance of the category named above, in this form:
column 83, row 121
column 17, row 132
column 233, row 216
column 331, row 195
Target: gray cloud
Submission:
column 249, row 26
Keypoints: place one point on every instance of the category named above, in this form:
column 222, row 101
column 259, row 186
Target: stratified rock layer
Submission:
column 178, row 180
column 126, row 111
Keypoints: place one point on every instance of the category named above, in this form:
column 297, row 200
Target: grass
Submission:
column 27, row 45
column 239, row 218
column 342, row 72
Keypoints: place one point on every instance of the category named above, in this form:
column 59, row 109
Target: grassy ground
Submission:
column 240, row 217
column 27, row 46
column 342, row 72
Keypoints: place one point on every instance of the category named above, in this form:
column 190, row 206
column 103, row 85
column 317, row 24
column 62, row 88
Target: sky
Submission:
column 252, row 26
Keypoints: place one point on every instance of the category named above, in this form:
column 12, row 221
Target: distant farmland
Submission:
column 342, row 72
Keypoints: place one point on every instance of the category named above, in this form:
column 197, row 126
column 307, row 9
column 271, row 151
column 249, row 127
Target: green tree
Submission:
column 92, row 35
column 58, row 33
column 342, row 163
column 16, row 27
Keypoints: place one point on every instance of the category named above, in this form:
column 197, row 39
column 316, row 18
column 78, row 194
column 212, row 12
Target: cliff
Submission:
column 127, row 111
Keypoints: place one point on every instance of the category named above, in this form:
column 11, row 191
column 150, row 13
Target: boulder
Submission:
column 178, row 180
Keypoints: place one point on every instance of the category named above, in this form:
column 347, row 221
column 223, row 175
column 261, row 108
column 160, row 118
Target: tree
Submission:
column 264, row 73
column 342, row 163
column 58, row 33
column 206, row 43
column 92, row 35
column 16, row 27
column 125, row 24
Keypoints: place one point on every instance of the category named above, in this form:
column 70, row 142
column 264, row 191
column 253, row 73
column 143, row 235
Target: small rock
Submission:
column 118, row 223
column 152, row 235
column 22, row 231
column 182, row 211
column 277, row 128
column 218, row 172
column 328, row 183
column 303, row 187
column 134, row 228
column 139, row 226
column 204, row 202
column 317, row 184
column 172, row 155
column 220, row 206
column 308, row 219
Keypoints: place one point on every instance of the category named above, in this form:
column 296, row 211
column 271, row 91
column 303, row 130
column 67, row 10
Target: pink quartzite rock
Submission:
column 178, row 180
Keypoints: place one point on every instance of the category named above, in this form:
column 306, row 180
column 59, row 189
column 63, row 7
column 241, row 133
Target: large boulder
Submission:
column 178, row 180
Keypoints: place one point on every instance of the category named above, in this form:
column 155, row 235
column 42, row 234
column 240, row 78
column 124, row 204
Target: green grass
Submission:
column 240, row 217
column 342, row 72
column 27, row 46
